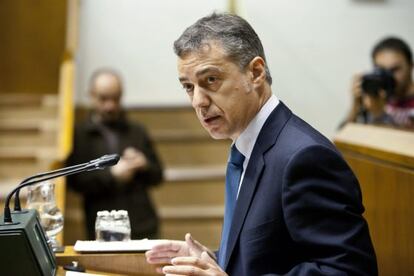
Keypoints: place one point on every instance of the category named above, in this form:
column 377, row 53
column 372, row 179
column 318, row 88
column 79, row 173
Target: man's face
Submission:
column 398, row 65
column 106, row 97
column 220, row 93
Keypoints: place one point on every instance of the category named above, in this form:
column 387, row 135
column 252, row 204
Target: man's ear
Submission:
column 257, row 70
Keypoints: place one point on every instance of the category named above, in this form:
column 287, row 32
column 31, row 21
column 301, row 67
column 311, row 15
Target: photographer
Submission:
column 385, row 96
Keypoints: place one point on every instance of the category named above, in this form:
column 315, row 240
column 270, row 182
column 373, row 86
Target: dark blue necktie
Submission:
column 233, row 174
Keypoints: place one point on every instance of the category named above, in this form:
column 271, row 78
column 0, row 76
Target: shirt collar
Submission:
column 247, row 139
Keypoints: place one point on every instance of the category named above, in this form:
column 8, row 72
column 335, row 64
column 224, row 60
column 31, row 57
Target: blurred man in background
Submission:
column 124, row 186
column 386, row 95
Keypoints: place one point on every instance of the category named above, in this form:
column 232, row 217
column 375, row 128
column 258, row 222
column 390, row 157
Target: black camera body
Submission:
column 377, row 80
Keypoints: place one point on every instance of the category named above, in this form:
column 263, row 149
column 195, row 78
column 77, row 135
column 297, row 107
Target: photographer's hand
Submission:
column 375, row 105
column 356, row 93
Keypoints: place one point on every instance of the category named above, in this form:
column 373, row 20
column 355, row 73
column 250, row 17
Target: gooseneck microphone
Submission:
column 96, row 164
column 17, row 206
column 28, row 252
column 101, row 161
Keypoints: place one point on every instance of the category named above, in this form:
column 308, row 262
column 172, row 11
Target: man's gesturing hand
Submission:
column 204, row 265
column 164, row 253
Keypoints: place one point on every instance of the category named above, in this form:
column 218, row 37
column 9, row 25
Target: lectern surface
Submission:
column 113, row 263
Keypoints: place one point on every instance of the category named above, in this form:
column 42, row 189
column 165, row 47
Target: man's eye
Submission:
column 188, row 87
column 211, row 80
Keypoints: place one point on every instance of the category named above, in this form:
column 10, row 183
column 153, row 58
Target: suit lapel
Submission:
column 267, row 138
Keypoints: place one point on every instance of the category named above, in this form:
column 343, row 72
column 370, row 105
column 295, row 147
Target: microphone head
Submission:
column 105, row 161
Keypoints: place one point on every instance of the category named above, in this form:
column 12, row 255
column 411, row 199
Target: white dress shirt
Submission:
column 247, row 139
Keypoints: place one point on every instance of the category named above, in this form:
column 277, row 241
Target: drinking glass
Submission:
column 42, row 198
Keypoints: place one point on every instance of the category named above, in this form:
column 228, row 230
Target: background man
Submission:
column 395, row 55
column 125, row 185
column 293, row 206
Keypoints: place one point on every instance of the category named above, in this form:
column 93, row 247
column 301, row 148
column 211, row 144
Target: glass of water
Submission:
column 112, row 226
column 42, row 198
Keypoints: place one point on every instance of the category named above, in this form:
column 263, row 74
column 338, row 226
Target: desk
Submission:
column 383, row 161
column 114, row 263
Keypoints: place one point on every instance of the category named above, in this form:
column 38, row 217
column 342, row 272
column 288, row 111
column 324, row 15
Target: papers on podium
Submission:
column 115, row 246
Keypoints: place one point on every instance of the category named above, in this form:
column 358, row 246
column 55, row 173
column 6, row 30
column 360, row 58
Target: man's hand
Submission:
column 375, row 105
column 130, row 162
column 203, row 265
column 165, row 252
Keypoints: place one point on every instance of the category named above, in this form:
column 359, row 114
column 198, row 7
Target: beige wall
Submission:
column 313, row 47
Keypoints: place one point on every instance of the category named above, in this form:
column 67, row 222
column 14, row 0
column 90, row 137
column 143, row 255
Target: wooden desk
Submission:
column 383, row 161
column 113, row 263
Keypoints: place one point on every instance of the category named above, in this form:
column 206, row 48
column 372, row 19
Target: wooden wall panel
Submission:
column 32, row 35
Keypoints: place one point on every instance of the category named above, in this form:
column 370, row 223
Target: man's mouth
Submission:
column 209, row 120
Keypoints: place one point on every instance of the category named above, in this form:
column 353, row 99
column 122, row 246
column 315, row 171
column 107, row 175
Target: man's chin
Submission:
column 217, row 135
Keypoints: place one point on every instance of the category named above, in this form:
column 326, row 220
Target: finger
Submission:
column 159, row 270
column 190, row 261
column 161, row 254
column 193, row 244
column 129, row 150
column 159, row 260
column 182, row 270
column 207, row 258
column 189, row 237
column 167, row 246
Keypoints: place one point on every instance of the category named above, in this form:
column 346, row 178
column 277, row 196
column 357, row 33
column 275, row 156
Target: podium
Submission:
column 107, row 263
column 383, row 161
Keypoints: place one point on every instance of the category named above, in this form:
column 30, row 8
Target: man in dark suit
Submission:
column 124, row 186
column 293, row 206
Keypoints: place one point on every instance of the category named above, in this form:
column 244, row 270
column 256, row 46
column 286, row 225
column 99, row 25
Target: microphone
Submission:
column 103, row 162
column 96, row 164
column 27, row 250
column 99, row 163
column 17, row 206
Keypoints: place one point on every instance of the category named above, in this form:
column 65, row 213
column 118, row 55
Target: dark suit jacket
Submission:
column 99, row 188
column 299, row 210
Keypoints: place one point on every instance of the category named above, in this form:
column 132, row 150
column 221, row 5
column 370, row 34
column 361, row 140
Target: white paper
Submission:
column 116, row 246
column 74, row 273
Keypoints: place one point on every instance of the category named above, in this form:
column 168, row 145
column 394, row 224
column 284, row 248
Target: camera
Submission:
column 378, row 79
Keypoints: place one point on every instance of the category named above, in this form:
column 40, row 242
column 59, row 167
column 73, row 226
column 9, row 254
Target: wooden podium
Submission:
column 107, row 263
column 383, row 161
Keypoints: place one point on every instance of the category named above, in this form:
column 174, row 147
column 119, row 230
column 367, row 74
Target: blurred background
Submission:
column 313, row 47
column 49, row 49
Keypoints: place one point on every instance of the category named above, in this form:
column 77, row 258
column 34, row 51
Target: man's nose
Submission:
column 200, row 98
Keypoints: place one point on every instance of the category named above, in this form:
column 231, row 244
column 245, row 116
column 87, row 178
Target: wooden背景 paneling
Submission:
column 32, row 45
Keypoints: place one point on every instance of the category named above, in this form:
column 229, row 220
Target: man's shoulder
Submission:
column 297, row 135
column 287, row 129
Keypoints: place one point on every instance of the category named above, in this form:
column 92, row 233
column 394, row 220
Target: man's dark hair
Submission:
column 394, row 44
column 235, row 35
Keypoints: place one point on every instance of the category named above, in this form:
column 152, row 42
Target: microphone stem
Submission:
column 17, row 205
column 7, row 214
column 100, row 163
